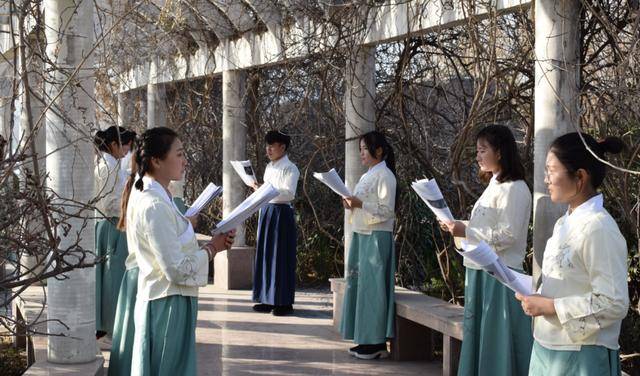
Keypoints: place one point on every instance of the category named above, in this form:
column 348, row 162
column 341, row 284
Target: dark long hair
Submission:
column 572, row 153
column 374, row 140
column 104, row 138
column 154, row 143
column 501, row 140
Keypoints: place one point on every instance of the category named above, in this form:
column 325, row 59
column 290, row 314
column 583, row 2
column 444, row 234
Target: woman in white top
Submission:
column 171, row 266
column 111, row 244
column 368, row 308
column 497, row 335
column 274, row 273
column 583, row 295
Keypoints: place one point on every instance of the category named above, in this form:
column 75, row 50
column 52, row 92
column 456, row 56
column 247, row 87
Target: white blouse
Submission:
column 584, row 270
column 500, row 218
column 165, row 246
column 283, row 175
column 108, row 187
column 377, row 190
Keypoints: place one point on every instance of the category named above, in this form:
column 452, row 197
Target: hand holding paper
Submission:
column 245, row 171
column 484, row 256
column 207, row 195
column 332, row 180
column 429, row 192
column 250, row 205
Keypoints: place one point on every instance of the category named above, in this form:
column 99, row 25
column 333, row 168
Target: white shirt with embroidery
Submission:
column 108, row 187
column 584, row 270
column 164, row 244
column 377, row 190
column 283, row 175
column 500, row 218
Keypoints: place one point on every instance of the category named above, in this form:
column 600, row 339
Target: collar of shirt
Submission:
column 150, row 184
column 280, row 163
column 109, row 159
column 377, row 167
column 584, row 210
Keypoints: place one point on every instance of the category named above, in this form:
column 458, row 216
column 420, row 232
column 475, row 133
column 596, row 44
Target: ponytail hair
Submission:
column 154, row 143
column 501, row 140
column 374, row 140
column 104, row 138
column 573, row 154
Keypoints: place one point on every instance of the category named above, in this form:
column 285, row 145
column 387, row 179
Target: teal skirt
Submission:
column 123, row 327
column 497, row 335
column 111, row 244
column 165, row 337
column 589, row 361
column 368, row 311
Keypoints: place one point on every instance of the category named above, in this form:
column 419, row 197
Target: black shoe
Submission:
column 354, row 350
column 264, row 308
column 282, row 310
column 100, row 334
column 369, row 352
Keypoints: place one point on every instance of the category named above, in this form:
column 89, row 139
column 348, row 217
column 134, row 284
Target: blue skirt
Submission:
column 589, row 361
column 274, row 273
column 498, row 336
column 111, row 244
column 123, row 326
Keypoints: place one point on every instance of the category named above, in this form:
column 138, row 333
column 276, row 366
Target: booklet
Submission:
column 484, row 256
column 429, row 192
column 208, row 194
column 250, row 205
column 332, row 180
column 245, row 171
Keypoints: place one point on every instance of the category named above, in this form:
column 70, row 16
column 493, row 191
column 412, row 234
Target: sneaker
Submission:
column 354, row 350
column 282, row 310
column 369, row 352
column 264, row 308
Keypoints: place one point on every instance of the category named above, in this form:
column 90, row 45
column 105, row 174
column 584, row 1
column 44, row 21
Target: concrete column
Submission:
column 6, row 84
column 125, row 109
column 360, row 118
column 70, row 164
column 233, row 269
column 156, row 99
column 557, row 78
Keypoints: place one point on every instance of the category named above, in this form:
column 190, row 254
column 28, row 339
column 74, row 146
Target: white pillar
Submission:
column 156, row 99
column 360, row 118
column 70, row 164
column 557, row 79
column 234, row 141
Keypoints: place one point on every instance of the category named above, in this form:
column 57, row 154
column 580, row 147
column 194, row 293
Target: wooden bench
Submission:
column 418, row 317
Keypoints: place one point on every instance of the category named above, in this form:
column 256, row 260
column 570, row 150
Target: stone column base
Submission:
column 233, row 269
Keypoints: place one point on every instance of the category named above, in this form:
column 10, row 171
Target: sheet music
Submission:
column 250, row 205
column 332, row 180
column 245, row 171
column 208, row 194
column 430, row 193
column 484, row 256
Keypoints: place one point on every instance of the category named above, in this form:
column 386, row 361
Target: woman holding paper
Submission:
column 497, row 335
column 368, row 308
column 274, row 275
column 111, row 244
column 171, row 266
column 583, row 296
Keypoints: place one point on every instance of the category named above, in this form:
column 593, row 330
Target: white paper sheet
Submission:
column 208, row 194
column 250, row 205
column 332, row 180
column 484, row 256
column 429, row 192
column 245, row 171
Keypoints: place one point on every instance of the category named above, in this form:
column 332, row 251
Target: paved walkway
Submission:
column 234, row 340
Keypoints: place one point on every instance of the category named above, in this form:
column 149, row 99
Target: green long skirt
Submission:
column 112, row 245
column 589, row 361
column 498, row 337
column 369, row 305
column 123, row 327
column 165, row 338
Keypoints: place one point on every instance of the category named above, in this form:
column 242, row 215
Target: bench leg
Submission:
column 450, row 355
column 412, row 341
